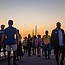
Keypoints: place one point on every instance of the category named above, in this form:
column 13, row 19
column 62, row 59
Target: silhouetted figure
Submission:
column 29, row 44
column 9, row 34
column 57, row 40
column 46, row 45
column 19, row 46
column 34, row 45
column 38, row 42
column 2, row 46
column 25, row 45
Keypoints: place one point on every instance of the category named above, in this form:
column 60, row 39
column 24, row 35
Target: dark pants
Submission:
column 19, row 51
column 25, row 49
column 47, row 50
column 34, row 50
column 4, row 50
column 29, row 51
column 0, row 49
column 0, row 46
column 14, row 56
column 57, row 51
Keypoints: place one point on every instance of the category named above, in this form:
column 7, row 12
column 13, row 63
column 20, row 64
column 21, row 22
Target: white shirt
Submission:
column 60, row 38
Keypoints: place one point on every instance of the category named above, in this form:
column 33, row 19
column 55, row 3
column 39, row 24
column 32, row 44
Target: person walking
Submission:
column 38, row 42
column 25, row 45
column 58, row 42
column 2, row 46
column 34, row 45
column 19, row 46
column 46, row 44
column 29, row 44
column 9, row 34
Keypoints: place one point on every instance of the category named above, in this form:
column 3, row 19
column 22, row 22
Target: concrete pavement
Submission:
column 33, row 60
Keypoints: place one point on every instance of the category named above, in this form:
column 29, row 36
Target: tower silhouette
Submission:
column 36, row 30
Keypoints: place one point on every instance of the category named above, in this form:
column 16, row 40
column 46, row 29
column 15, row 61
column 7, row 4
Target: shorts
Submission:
column 13, row 47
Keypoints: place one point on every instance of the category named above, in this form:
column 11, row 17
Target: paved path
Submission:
column 33, row 60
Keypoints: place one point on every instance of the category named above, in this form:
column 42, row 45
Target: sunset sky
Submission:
column 28, row 13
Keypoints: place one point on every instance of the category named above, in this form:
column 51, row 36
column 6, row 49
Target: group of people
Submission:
column 35, row 44
column 56, row 41
column 10, row 38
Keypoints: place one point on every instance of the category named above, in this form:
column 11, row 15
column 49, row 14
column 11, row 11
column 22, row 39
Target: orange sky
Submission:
column 28, row 13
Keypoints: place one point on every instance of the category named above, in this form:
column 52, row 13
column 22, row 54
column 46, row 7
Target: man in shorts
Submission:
column 10, row 41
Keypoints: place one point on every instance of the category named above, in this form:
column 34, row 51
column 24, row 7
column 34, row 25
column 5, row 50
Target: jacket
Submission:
column 55, row 37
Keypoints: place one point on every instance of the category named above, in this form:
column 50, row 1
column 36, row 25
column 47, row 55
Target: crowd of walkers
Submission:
column 10, row 39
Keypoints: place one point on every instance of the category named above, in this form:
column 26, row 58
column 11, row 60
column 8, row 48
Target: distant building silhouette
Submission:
column 35, row 29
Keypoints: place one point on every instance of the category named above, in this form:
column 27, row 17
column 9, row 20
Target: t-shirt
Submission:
column 60, row 38
column 38, row 42
column 9, row 33
column 24, row 42
column 46, row 39
column 33, row 41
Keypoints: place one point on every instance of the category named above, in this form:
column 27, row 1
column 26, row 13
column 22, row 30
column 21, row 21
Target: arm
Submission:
column 17, row 38
column 52, row 39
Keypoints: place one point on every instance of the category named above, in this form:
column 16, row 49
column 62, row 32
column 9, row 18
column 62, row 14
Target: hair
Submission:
column 39, row 35
column 2, row 25
column 10, row 22
column 34, row 36
column 46, row 31
column 25, row 37
column 29, row 35
column 58, row 23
